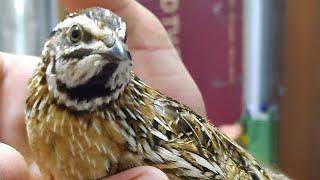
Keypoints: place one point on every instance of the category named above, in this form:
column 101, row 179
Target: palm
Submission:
column 155, row 61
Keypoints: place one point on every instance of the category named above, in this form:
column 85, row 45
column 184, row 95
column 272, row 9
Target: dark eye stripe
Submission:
column 86, row 37
column 77, row 54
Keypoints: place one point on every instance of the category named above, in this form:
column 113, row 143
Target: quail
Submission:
column 88, row 116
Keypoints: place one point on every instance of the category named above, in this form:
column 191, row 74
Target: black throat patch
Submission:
column 95, row 87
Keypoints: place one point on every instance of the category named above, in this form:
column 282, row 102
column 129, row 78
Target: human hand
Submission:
column 155, row 61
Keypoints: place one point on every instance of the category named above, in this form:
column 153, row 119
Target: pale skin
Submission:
column 155, row 61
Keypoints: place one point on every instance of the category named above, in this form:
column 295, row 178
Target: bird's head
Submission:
column 88, row 62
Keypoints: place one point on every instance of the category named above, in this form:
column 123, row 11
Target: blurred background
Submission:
column 257, row 64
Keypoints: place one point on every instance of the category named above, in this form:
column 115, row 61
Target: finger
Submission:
column 114, row 5
column 12, row 164
column 140, row 173
column 15, row 70
column 144, row 29
column 13, row 92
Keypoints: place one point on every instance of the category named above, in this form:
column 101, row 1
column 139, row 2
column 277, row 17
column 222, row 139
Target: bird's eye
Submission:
column 75, row 33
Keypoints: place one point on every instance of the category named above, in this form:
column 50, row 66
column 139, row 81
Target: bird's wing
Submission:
column 175, row 126
column 202, row 144
column 170, row 136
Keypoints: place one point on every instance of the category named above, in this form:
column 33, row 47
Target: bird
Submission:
column 89, row 116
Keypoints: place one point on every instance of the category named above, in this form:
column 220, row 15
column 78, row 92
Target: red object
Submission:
column 208, row 35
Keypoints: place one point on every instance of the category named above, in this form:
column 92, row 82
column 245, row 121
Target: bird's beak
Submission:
column 118, row 50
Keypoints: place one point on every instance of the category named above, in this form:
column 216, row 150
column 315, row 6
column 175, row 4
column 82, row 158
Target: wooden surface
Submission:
column 300, row 105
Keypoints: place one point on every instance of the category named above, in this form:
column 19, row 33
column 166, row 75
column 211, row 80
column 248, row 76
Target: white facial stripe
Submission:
column 86, row 23
column 74, row 72
column 124, row 77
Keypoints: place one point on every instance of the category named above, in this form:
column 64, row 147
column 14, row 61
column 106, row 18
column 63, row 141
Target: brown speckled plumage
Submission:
column 140, row 127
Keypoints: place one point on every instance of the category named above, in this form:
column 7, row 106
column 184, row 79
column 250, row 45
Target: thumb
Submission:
column 12, row 164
